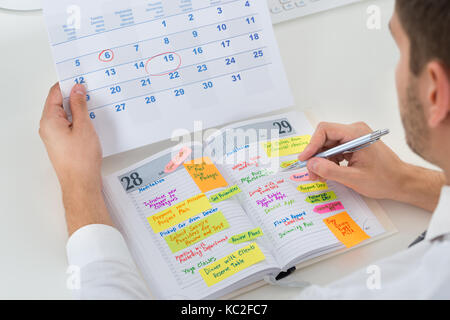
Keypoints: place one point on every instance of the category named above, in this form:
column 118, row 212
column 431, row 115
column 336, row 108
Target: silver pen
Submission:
column 349, row 147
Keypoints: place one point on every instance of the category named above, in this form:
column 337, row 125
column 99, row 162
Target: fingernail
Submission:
column 79, row 89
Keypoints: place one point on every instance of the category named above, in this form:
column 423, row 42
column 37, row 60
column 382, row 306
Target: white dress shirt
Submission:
column 421, row 272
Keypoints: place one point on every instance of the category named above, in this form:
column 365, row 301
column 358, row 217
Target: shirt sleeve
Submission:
column 417, row 273
column 105, row 268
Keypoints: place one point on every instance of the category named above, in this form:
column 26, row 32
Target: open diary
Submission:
column 203, row 220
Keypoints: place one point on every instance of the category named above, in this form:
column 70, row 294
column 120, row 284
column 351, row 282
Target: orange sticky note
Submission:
column 205, row 174
column 346, row 229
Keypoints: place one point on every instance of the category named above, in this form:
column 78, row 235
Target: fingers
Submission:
column 332, row 134
column 54, row 119
column 78, row 105
column 327, row 170
column 54, row 102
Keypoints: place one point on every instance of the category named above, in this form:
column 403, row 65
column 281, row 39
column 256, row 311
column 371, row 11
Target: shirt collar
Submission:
column 440, row 222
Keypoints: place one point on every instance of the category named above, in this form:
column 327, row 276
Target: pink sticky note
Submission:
column 329, row 207
column 300, row 176
column 178, row 159
column 182, row 155
column 170, row 167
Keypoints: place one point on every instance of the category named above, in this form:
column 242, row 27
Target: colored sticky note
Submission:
column 205, row 174
column 178, row 159
column 346, row 229
column 329, row 207
column 311, row 187
column 232, row 264
column 323, row 197
column 179, row 213
column 286, row 147
column 300, row 177
column 196, row 232
column 225, row 194
column 287, row 163
column 246, row 236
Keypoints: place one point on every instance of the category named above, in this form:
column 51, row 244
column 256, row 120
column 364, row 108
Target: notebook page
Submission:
column 296, row 227
column 143, row 61
column 171, row 252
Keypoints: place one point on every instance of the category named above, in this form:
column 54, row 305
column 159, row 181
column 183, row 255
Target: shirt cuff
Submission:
column 97, row 242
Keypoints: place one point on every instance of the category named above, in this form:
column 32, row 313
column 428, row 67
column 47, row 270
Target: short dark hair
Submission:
column 427, row 24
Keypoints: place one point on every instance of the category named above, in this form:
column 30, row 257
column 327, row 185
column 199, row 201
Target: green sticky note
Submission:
column 225, row 194
column 196, row 232
column 246, row 236
column 323, row 197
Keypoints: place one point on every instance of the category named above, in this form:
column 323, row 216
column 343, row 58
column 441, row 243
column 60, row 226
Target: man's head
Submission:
column 421, row 29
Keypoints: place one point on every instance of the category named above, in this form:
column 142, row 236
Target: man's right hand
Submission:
column 376, row 172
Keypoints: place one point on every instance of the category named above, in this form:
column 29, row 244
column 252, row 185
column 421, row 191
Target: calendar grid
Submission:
column 181, row 68
column 143, row 22
column 177, row 50
column 159, row 37
column 184, row 85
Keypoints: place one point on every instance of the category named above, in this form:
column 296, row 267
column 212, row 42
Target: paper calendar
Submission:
column 152, row 67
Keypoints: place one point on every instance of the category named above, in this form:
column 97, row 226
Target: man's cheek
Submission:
column 401, row 80
column 398, row 84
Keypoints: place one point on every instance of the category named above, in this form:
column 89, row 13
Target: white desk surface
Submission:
column 338, row 70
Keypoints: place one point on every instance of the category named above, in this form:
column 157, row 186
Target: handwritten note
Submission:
column 178, row 159
column 196, row 232
column 311, row 187
column 323, row 197
column 346, row 229
column 286, row 164
column 329, row 207
column 232, row 264
column 286, row 147
column 205, row 174
column 162, row 200
column 225, row 194
column 275, row 196
column 300, row 177
column 246, row 236
column 256, row 175
column 179, row 212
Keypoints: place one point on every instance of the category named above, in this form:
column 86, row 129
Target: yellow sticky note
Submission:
column 179, row 213
column 232, row 264
column 197, row 232
column 205, row 174
column 225, row 194
column 246, row 236
column 288, row 163
column 311, row 187
column 286, row 147
column 346, row 229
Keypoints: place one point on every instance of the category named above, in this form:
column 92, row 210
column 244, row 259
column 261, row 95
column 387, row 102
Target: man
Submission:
column 421, row 29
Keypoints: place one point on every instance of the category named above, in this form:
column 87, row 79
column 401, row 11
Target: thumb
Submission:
column 331, row 171
column 78, row 105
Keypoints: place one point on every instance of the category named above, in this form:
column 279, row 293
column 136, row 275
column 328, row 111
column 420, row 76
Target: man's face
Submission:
column 411, row 108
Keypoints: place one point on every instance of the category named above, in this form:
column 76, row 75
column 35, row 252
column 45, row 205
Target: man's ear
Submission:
column 437, row 93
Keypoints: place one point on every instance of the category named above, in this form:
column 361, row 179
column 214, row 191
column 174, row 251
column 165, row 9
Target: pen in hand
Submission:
column 349, row 147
